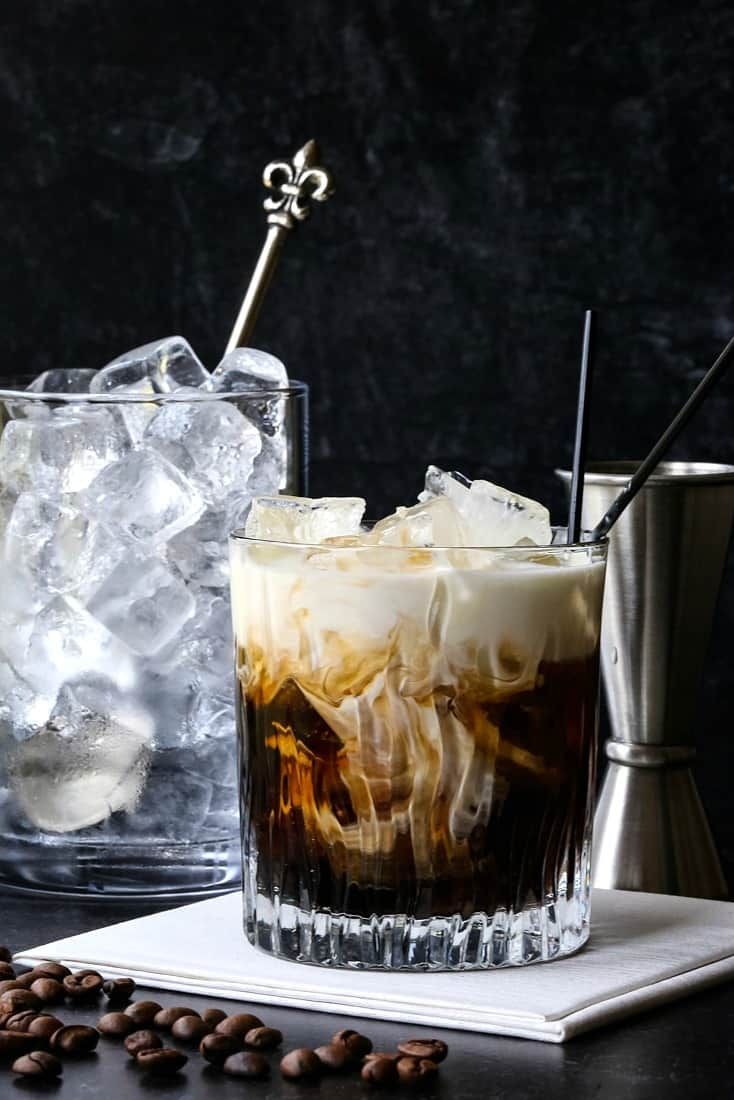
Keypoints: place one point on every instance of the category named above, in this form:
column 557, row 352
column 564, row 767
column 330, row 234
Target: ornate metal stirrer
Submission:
column 295, row 184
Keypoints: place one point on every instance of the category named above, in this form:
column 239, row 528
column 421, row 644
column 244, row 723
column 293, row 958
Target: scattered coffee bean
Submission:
column 213, row 1016
column 143, row 1012
column 394, row 1054
column 263, row 1038
column 26, row 980
column 357, row 1045
column 84, row 985
column 161, row 1063
column 15, row 1043
column 415, row 1069
column 51, row 970
column 300, row 1063
column 335, row 1057
column 217, row 1048
column 167, row 1017
column 142, row 1040
column 7, row 973
column 18, row 1000
column 119, row 991
column 20, row 1021
column 115, row 1025
column 246, row 1063
column 433, row 1049
column 380, row 1072
column 9, row 983
column 44, row 1026
column 49, row 990
column 75, row 1039
column 238, row 1025
column 190, row 1029
column 5, row 954
column 38, row 1064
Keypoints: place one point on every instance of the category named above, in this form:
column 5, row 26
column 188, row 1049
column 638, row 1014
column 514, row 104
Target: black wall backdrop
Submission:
column 500, row 166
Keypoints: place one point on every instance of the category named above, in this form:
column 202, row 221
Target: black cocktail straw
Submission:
column 666, row 440
column 573, row 531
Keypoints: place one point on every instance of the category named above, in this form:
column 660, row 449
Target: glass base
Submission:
column 154, row 870
column 536, row 934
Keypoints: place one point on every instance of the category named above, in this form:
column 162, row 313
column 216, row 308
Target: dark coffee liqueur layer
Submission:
column 540, row 765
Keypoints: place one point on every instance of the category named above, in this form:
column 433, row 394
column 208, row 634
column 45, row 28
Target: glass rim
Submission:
column 671, row 472
column 295, row 388
column 239, row 536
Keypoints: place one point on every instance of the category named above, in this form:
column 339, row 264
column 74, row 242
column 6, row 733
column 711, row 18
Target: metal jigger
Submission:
column 666, row 558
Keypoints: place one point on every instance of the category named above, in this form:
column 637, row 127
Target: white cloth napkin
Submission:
column 645, row 949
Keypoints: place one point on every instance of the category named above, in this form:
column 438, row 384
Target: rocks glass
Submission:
column 117, row 737
column 418, row 734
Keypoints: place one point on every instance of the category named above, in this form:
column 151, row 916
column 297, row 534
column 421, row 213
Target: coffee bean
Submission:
column 115, row 1025
column 394, row 1054
column 75, row 1039
column 238, row 1025
column 26, row 980
column 380, row 1072
column 213, row 1016
column 216, row 1048
column 49, row 990
column 416, row 1069
column 15, row 1043
column 246, row 1064
column 190, row 1029
column 167, row 1017
column 161, row 1063
column 263, row 1038
column 357, row 1045
column 7, row 973
column 51, row 970
column 142, row 1040
column 119, row 991
column 85, row 985
column 143, row 1012
column 20, row 1021
column 433, row 1049
column 5, row 954
column 335, row 1057
column 18, row 1000
column 9, row 983
column 300, row 1063
column 38, row 1064
column 44, row 1026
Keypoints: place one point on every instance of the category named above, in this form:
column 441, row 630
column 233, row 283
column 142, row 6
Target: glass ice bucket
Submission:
column 418, row 738
column 117, row 731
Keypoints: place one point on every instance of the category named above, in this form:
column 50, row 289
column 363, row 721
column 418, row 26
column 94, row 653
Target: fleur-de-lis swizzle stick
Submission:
column 294, row 185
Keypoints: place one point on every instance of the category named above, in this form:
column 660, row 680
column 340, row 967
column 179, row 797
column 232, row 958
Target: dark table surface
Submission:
column 683, row 1050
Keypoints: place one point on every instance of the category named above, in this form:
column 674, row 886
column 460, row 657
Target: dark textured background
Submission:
column 500, row 166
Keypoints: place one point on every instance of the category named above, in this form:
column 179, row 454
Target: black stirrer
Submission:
column 666, row 440
column 573, row 531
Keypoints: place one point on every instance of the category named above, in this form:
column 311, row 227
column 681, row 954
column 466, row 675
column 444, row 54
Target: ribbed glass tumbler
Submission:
column 417, row 732
column 117, row 730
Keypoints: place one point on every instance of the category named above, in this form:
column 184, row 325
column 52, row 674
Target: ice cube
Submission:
column 200, row 552
column 66, row 643
column 490, row 515
column 23, row 710
column 269, row 473
column 62, row 380
column 57, row 548
column 221, row 442
column 433, row 523
column 175, row 802
column 211, row 717
column 60, row 454
column 84, row 765
column 245, row 369
column 159, row 367
column 145, row 496
column 303, row 519
column 142, row 603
